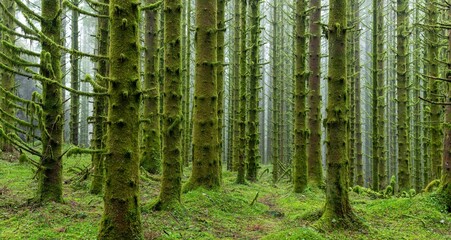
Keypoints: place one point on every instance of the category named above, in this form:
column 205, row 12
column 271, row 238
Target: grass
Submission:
column 230, row 213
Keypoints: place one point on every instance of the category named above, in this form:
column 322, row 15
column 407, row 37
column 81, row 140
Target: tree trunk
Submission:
column 151, row 149
column 75, row 83
column 402, row 87
column 300, row 111
column 100, row 105
column 315, row 172
column 121, row 216
column 255, row 77
column 205, row 119
column 50, row 177
column 337, row 206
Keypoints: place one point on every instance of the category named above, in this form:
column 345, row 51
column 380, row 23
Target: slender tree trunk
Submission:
column 275, row 94
column 100, row 105
column 436, row 116
column 402, row 87
column 337, row 211
column 300, row 111
column 255, row 78
column 75, row 83
column 172, row 108
column 236, row 83
column 315, row 172
column 357, row 75
column 241, row 166
column 205, row 119
column 151, row 148
column 220, row 76
column 50, row 177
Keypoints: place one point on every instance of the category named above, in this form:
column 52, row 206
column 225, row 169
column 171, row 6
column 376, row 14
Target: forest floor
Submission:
column 259, row 210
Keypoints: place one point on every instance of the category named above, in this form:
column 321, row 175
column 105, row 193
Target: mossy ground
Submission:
column 225, row 214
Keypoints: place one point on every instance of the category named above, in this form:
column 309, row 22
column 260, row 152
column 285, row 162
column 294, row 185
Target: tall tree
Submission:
column 121, row 215
column 98, row 141
column 220, row 19
column 172, row 107
column 50, row 182
column 300, row 113
column 151, row 146
column 355, row 10
column 6, row 78
column 205, row 129
column 315, row 172
column 255, row 76
column 435, row 114
column 242, row 94
column 275, row 91
column 75, row 81
column 337, row 206
column 402, row 87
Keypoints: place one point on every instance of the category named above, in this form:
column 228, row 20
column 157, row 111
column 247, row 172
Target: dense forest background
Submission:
column 337, row 103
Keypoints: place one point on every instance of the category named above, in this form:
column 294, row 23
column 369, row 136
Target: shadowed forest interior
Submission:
column 225, row 119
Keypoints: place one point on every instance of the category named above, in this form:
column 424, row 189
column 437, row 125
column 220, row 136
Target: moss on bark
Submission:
column 50, row 177
column 6, row 78
column 220, row 18
column 151, row 146
column 300, row 111
column 315, row 170
column 255, row 76
column 172, row 108
column 205, row 129
column 98, row 141
column 338, row 213
column 242, row 148
column 75, row 81
column 402, row 86
column 121, row 215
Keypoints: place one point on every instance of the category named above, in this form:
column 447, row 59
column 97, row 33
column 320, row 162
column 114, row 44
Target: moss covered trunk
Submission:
column 380, row 123
column 98, row 141
column 236, row 85
column 300, row 111
column 121, row 215
column 6, row 78
column 220, row 18
column 275, row 93
column 151, row 146
column 50, row 176
column 355, row 9
column 172, row 107
column 337, row 211
column 417, row 121
column 242, row 147
column 205, row 129
column 315, row 171
column 74, row 82
column 402, row 86
column 255, row 78
column 436, row 113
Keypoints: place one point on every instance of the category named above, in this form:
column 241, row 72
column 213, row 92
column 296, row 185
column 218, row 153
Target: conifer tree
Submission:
column 435, row 113
column 98, row 141
column 220, row 75
column 402, row 87
column 300, row 122
column 151, row 146
column 337, row 211
column 172, row 108
column 241, row 165
column 255, row 78
column 205, row 119
column 121, row 215
column 6, row 78
column 75, row 81
column 315, row 172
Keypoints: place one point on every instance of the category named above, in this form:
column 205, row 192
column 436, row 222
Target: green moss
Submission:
column 295, row 234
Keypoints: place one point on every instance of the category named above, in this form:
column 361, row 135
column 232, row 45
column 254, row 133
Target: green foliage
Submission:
column 224, row 214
